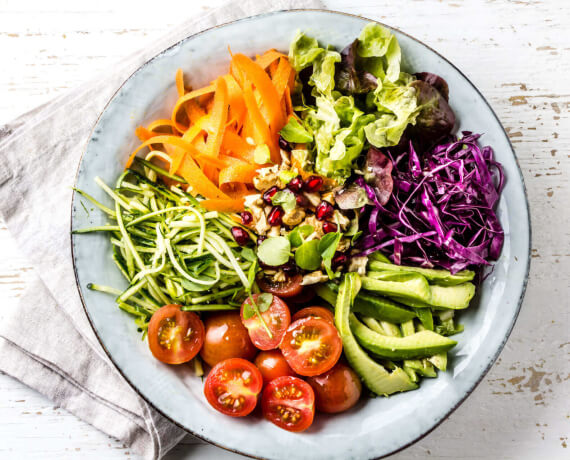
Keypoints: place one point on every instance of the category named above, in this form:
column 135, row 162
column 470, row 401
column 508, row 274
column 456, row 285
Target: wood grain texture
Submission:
column 516, row 52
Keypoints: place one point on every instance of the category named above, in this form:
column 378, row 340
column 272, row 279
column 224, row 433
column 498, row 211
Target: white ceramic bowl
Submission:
column 375, row 427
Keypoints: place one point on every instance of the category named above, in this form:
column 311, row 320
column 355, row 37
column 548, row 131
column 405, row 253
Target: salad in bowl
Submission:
column 305, row 230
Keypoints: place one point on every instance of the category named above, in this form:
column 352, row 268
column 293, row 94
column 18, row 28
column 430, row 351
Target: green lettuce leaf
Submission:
column 293, row 131
column 303, row 51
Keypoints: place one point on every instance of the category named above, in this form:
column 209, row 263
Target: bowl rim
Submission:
column 333, row 12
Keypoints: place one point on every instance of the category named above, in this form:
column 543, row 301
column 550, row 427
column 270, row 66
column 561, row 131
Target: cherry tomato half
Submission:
column 175, row 336
column 277, row 318
column 286, row 289
column 306, row 295
column 336, row 390
column 272, row 364
column 226, row 337
column 232, row 387
column 317, row 312
column 289, row 403
column 311, row 346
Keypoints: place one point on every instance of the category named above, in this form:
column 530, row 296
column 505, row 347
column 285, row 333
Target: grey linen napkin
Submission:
column 45, row 339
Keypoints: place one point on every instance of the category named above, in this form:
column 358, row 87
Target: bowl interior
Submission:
column 378, row 426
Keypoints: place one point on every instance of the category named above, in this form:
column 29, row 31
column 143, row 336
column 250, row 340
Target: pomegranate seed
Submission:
column 246, row 218
column 313, row 184
column 339, row 259
column 329, row 227
column 301, row 200
column 295, row 184
column 261, row 239
column 240, row 235
column 324, row 210
column 276, row 216
column 269, row 194
column 284, row 145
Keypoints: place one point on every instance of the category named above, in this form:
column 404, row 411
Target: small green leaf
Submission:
column 307, row 256
column 327, row 248
column 287, row 175
column 262, row 155
column 249, row 309
column 293, row 131
column 274, row 251
column 298, row 234
column 286, row 199
column 264, row 301
column 248, row 254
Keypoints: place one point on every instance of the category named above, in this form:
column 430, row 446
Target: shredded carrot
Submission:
column 144, row 134
column 218, row 117
column 268, row 57
column 261, row 132
column 228, row 205
column 263, row 84
column 180, row 83
column 237, row 146
column 212, row 134
column 235, row 99
column 161, row 123
column 182, row 100
column 198, row 181
column 281, row 76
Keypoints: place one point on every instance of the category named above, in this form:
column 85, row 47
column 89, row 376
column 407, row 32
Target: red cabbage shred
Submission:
column 441, row 212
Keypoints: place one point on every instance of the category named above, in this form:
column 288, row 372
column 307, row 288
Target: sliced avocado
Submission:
column 379, row 257
column 421, row 366
column 421, row 344
column 373, row 324
column 370, row 305
column 426, row 317
column 439, row 361
column 454, row 297
column 390, row 329
column 411, row 373
column 407, row 286
column 434, row 276
column 374, row 376
column 408, row 328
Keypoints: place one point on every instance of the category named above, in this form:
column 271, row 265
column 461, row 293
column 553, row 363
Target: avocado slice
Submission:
column 374, row 376
column 439, row 361
column 421, row 366
column 454, row 297
column 379, row 308
column 434, row 276
column 426, row 317
column 406, row 286
column 418, row 345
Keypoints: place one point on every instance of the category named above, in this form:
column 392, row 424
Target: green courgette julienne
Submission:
column 170, row 249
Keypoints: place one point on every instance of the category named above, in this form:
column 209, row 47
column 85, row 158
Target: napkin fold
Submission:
column 45, row 338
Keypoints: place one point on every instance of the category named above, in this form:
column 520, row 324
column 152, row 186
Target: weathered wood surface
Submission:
column 516, row 52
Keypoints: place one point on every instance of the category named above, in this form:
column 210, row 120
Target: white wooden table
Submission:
column 516, row 52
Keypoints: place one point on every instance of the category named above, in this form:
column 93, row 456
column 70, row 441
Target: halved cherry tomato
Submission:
column 305, row 296
column 272, row 364
column 277, row 318
column 289, row 403
column 336, row 390
column 175, row 336
column 286, row 289
column 232, row 387
column 317, row 312
column 226, row 337
column 311, row 346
